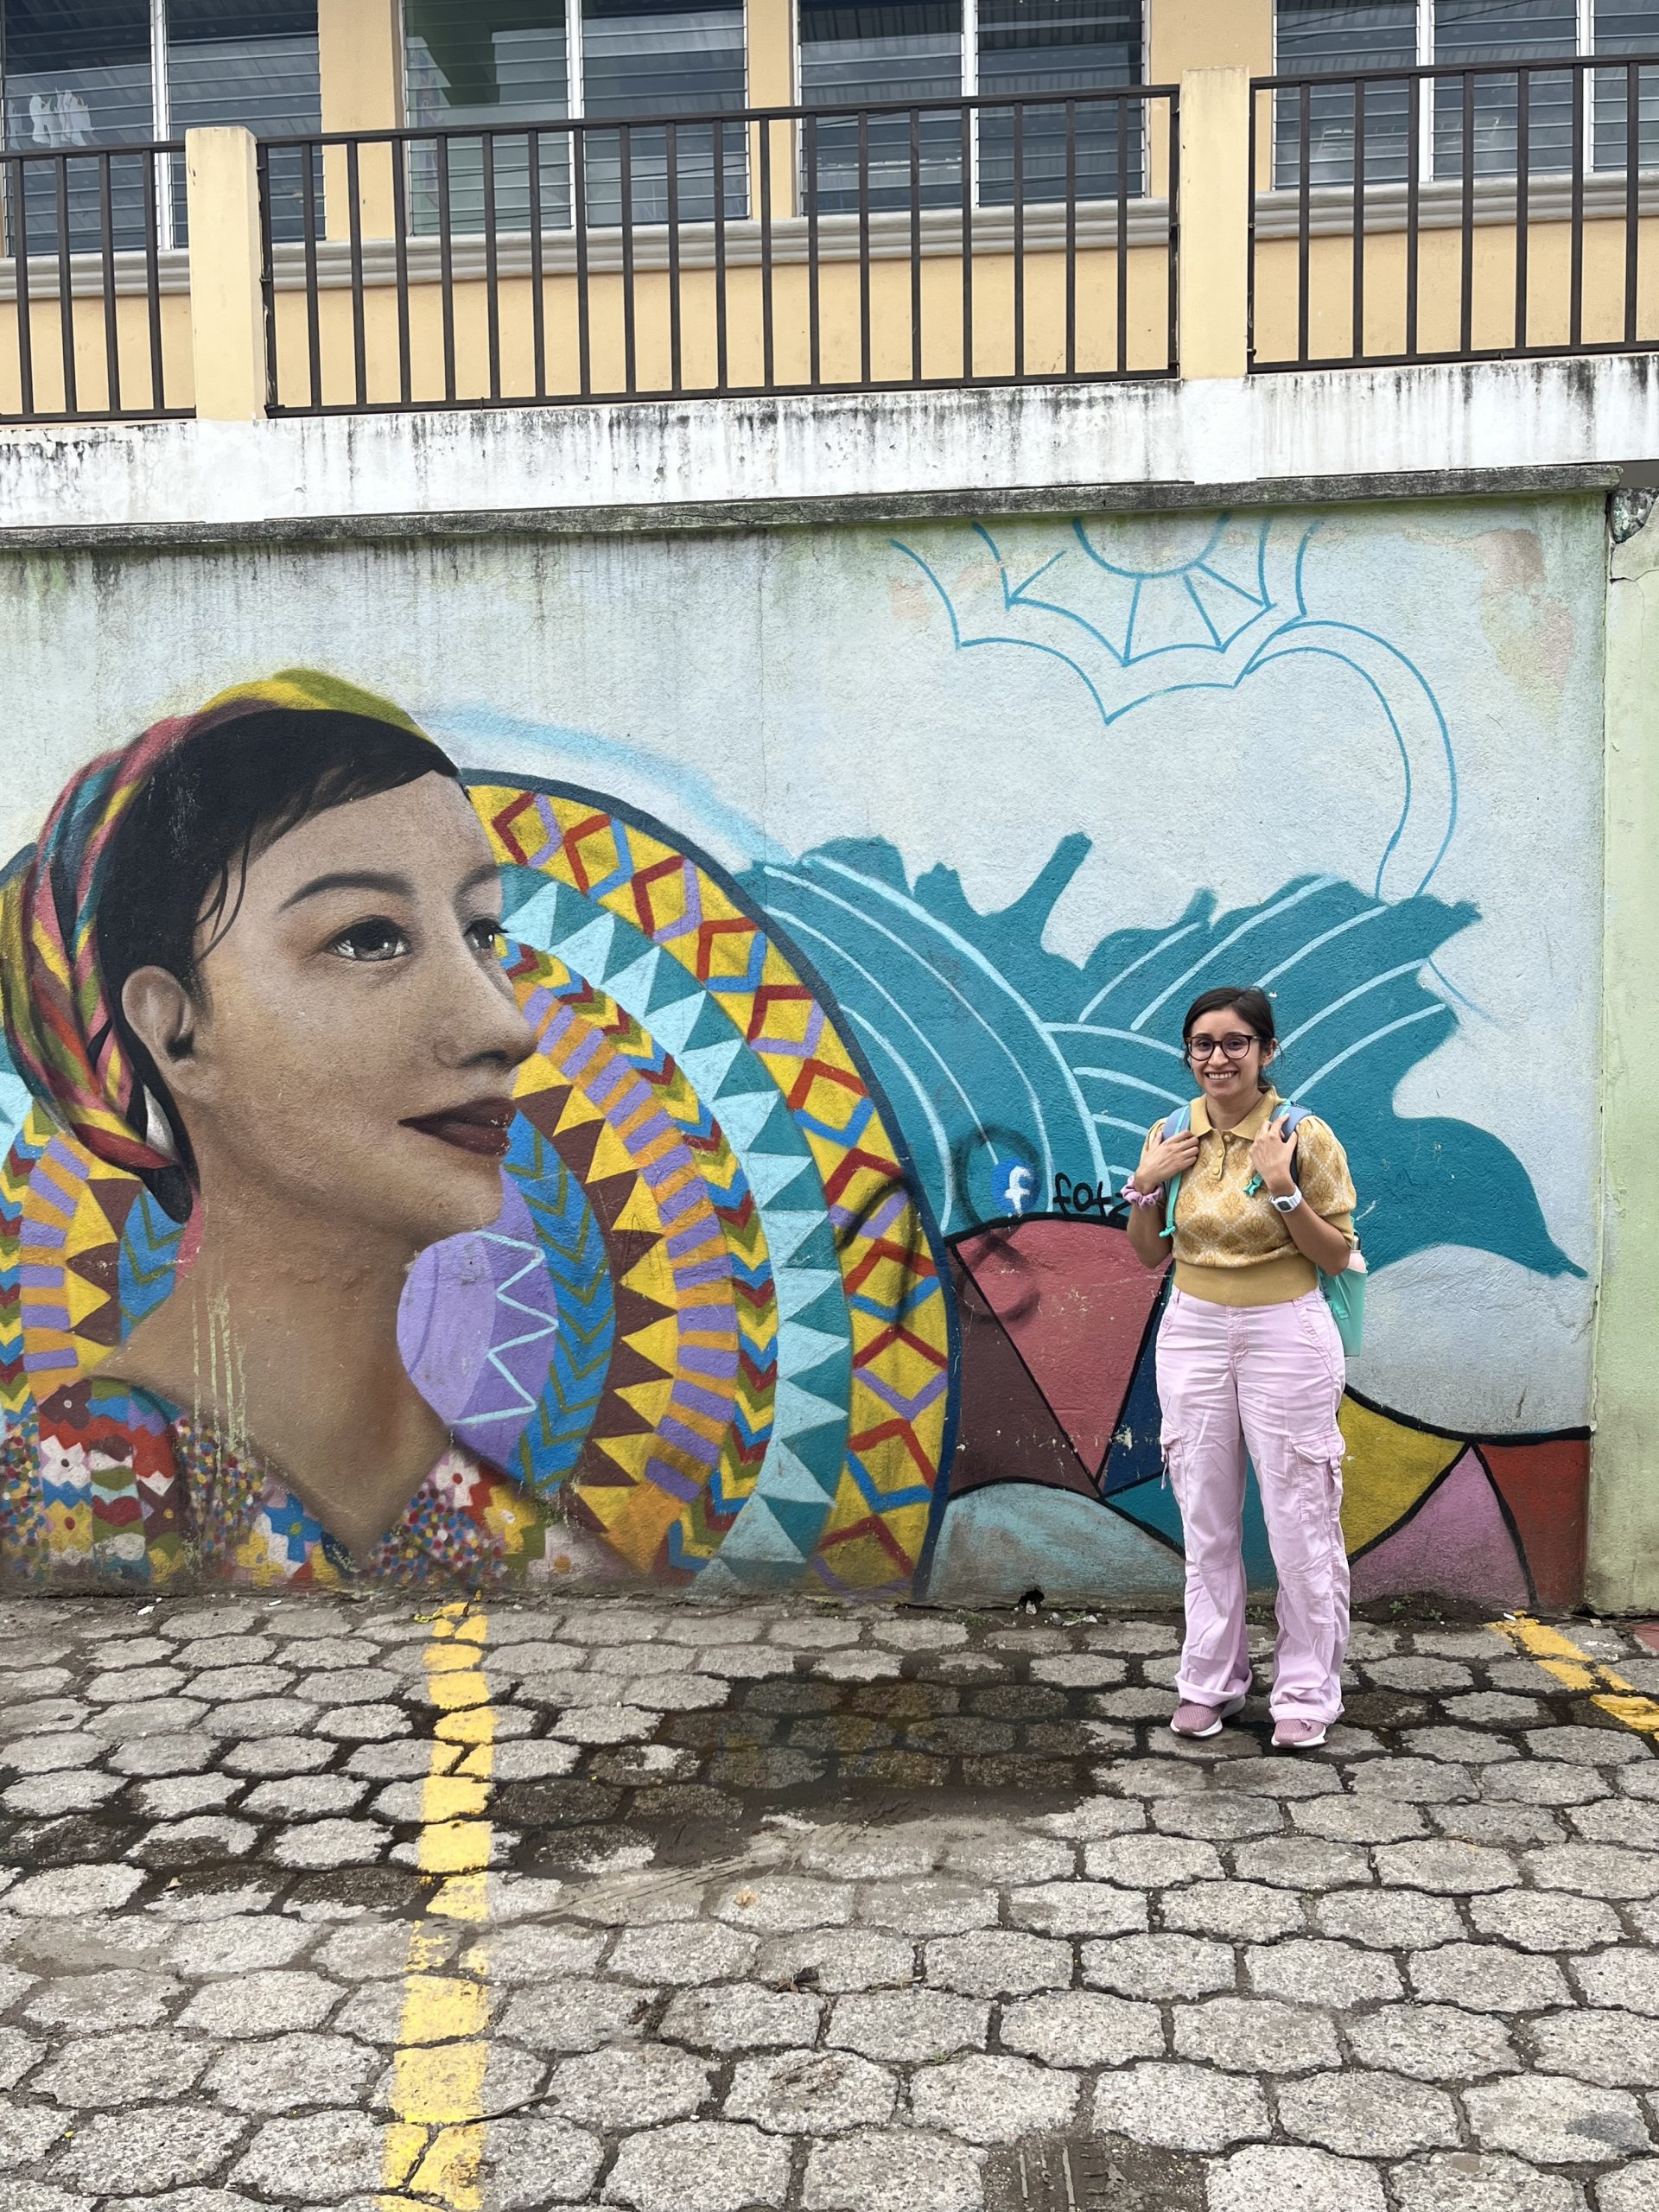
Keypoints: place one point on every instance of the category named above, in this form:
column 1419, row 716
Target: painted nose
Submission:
column 487, row 1027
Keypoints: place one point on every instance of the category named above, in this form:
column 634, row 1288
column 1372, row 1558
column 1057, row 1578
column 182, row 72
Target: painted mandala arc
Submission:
column 695, row 1380
column 863, row 1520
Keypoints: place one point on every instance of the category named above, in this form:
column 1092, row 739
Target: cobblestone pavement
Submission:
column 691, row 1909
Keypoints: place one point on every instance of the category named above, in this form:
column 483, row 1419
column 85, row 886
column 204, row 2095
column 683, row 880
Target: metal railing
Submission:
column 756, row 250
column 81, row 232
column 1454, row 214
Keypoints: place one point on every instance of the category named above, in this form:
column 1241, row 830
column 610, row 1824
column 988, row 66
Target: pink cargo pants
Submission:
column 1267, row 1379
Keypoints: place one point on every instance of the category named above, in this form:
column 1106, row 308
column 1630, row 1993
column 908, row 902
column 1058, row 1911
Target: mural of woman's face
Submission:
column 349, row 1047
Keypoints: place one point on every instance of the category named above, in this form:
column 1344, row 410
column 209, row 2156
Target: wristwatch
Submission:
column 1288, row 1204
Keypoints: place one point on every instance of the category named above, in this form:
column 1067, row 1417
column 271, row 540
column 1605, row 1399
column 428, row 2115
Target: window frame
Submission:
column 161, row 124
column 1585, row 50
column 575, row 87
column 1587, row 34
column 970, row 87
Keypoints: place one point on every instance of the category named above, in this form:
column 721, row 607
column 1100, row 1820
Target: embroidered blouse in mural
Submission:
column 109, row 1484
column 1232, row 1247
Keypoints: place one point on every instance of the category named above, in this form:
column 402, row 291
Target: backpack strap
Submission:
column 1175, row 1125
column 1293, row 1118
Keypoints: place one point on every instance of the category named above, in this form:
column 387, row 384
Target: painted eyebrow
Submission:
column 397, row 886
column 479, row 878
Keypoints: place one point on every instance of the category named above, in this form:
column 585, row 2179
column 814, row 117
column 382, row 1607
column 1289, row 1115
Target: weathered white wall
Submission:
column 1624, row 1493
column 1501, row 416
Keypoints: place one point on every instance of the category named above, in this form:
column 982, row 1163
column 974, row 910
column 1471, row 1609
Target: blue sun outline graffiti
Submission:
column 1418, row 727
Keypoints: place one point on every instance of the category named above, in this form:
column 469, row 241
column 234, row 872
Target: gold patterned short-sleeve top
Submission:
column 1232, row 1247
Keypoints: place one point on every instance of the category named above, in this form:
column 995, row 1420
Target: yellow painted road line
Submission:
column 1558, row 1655
column 435, row 2143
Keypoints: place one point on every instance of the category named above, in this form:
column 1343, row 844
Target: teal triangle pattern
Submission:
column 709, row 1065
column 807, row 1286
column 804, row 1452
column 757, row 1541
column 772, row 1174
column 795, row 1232
column 670, row 1026
column 743, row 1116
column 630, row 985
column 801, row 1345
column 800, row 1520
column 588, row 953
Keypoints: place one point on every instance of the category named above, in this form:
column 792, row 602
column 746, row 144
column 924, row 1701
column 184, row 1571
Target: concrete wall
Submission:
column 1625, row 1498
column 889, row 856
column 1489, row 425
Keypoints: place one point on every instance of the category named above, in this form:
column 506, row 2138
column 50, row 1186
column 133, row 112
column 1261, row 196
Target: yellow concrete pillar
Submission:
column 1215, row 217
column 227, row 315
column 1183, row 34
column 770, row 34
column 360, row 50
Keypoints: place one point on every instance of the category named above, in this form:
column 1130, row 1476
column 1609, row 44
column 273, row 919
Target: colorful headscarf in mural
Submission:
column 59, row 1019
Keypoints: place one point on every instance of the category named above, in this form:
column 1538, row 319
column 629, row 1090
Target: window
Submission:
column 1316, row 37
column 1626, row 27
column 252, row 65
column 498, row 63
column 1059, row 45
column 1320, row 36
column 853, row 56
column 76, row 75
column 82, row 74
column 1483, row 114
column 494, row 66
column 649, row 57
column 73, row 77
column 923, row 50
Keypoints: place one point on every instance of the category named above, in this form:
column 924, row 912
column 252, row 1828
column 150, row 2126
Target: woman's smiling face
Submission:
column 350, row 1040
column 1227, row 1055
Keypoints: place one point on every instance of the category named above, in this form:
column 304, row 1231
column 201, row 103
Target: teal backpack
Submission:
column 1345, row 1294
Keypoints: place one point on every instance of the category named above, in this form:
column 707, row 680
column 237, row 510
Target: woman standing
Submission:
column 1249, row 1360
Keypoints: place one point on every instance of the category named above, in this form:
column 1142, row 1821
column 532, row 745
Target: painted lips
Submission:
column 484, row 1128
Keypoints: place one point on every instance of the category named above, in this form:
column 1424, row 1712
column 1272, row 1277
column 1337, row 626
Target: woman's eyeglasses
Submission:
column 1235, row 1047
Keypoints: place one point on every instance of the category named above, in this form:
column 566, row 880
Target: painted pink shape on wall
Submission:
column 1457, row 1543
column 1075, row 1301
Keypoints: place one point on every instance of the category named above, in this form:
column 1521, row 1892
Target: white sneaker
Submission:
column 1197, row 1721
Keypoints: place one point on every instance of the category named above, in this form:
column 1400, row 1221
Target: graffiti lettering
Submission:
column 1084, row 1200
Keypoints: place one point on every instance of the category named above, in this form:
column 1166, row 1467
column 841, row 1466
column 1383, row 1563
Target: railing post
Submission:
column 1215, row 222
column 360, row 54
column 228, row 330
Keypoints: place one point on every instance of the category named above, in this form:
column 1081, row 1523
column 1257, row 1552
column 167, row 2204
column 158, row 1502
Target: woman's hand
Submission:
column 1169, row 1158
column 1274, row 1157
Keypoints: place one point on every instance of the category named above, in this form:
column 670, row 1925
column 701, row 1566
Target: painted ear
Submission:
column 160, row 1014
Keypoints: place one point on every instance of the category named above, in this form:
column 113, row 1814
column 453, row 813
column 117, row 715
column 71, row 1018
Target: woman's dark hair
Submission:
column 179, row 857
column 1252, row 1007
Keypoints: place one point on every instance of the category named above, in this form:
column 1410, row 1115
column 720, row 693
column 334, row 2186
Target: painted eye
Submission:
column 376, row 939
column 488, row 937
